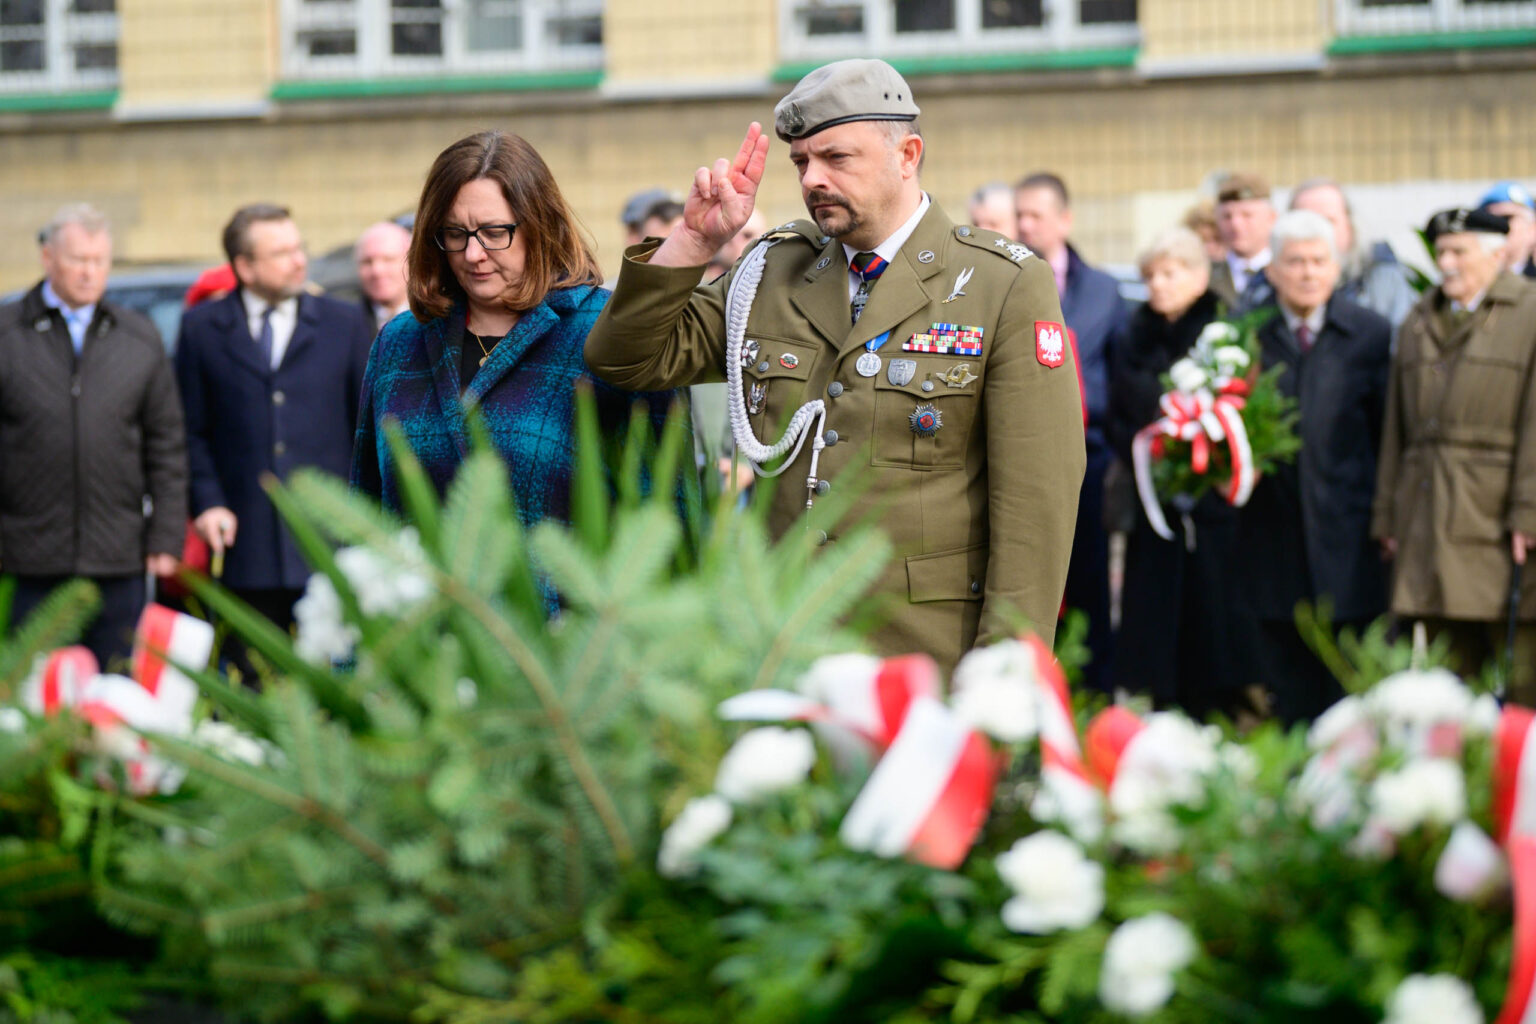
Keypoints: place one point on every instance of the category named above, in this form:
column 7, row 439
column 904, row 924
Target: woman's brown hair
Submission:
column 558, row 253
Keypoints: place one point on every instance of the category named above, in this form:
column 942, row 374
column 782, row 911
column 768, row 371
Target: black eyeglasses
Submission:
column 490, row 237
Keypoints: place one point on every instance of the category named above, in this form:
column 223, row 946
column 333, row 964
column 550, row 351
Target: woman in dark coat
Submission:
column 1178, row 631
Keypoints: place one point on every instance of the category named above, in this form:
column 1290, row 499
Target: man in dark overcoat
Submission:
column 270, row 378
column 1305, row 533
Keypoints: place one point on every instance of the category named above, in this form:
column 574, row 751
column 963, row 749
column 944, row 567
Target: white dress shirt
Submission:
column 1243, row 269
column 887, row 249
column 285, row 317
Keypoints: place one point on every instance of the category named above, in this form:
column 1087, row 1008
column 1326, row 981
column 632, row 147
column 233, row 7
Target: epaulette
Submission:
column 991, row 241
column 802, row 229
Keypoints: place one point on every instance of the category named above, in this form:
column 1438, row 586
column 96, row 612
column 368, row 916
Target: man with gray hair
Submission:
column 1371, row 276
column 93, row 468
column 1456, row 495
column 1305, row 533
column 992, row 208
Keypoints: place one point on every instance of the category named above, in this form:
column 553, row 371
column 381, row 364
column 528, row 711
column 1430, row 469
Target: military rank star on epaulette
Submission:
column 1016, row 252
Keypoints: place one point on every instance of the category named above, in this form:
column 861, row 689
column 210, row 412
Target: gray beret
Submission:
column 848, row 90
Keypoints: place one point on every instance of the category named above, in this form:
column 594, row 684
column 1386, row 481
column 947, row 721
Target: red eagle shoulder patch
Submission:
column 1050, row 343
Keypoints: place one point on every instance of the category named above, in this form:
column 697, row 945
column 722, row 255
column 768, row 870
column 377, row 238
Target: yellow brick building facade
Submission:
column 210, row 109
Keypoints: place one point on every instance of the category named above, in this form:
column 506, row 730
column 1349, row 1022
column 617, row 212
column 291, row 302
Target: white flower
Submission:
column 1410, row 705
column 1139, row 962
column 224, row 739
column 1187, row 376
column 1424, row 791
column 702, row 819
column 1057, row 886
column 1165, row 765
column 765, row 761
column 1483, row 716
column 1230, row 359
column 829, row 675
column 1329, row 792
column 13, row 720
column 1076, row 807
column 1217, row 333
column 994, row 691
column 388, row 582
column 1471, row 866
column 1338, row 724
column 323, row 636
column 1433, row 999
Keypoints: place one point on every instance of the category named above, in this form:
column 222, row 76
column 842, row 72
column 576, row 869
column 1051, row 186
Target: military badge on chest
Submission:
column 756, row 395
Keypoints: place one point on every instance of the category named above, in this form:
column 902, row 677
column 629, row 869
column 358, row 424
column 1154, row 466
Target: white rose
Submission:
column 1483, row 716
column 1471, row 866
column 1230, row 359
column 1187, row 376
column 388, row 582
column 1346, row 717
column 1057, row 886
column 1328, row 792
column 224, row 739
column 702, row 819
column 1077, row 808
column 994, row 691
column 1165, row 765
column 1433, row 999
column 765, row 761
column 829, row 675
column 1217, row 333
column 322, row 635
column 1409, row 705
column 1424, row 791
column 1139, row 963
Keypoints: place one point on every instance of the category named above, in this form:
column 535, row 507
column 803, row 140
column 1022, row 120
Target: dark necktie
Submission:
column 869, row 267
column 1304, row 337
column 264, row 338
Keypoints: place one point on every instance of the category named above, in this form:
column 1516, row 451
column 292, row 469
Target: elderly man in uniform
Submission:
column 1244, row 217
column 930, row 353
column 1456, row 492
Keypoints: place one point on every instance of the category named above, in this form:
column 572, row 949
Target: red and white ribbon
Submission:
column 930, row 793
column 1062, row 771
column 871, row 700
column 61, row 682
column 1202, row 419
column 1108, row 737
column 1514, row 810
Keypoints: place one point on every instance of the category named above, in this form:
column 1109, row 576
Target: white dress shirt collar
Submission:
column 285, row 317
column 887, row 249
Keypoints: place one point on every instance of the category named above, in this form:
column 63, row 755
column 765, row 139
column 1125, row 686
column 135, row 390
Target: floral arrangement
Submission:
column 1223, row 425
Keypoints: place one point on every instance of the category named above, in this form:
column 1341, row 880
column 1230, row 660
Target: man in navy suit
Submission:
column 270, row 379
column 1096, row 318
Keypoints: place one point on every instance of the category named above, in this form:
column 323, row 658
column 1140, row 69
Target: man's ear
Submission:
column 911, row 150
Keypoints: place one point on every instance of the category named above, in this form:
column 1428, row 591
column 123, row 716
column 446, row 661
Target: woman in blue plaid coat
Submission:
column 503, row 289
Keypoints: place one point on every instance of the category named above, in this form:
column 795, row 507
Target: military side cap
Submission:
column 1508, row 192
column 848, row 90
column 1242, row 185
column 639, row 204
column 1454, row 222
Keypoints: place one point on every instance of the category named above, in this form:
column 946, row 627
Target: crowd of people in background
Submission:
column 1414, row 492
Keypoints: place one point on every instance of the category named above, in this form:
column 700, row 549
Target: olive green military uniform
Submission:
column 981, row 510
column 1458, row 461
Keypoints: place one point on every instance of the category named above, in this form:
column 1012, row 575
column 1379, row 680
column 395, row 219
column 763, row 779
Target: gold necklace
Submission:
column 485, row 353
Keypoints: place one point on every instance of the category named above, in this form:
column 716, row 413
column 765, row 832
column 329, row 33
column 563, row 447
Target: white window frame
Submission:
column 372, row 21
column 1061, row 31
column 62, row 30
column 1352, row 18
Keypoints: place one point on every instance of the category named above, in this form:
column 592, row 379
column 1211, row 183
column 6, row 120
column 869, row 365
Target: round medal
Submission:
column 868, row 364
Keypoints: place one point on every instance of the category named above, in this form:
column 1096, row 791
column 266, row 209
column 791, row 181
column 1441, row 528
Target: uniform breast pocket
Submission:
column 1487, row 390
column 925, row 411
column 773, row 376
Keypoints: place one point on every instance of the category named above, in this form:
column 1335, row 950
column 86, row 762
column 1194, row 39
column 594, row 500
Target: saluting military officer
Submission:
column 930, row 351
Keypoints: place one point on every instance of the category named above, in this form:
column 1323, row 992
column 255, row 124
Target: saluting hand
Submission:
column 718, row 204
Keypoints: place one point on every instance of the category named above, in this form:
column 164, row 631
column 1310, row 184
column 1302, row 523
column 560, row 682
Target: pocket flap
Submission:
column 958, row 575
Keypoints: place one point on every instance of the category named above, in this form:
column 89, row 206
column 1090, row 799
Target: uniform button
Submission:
column 830, row 437
column 965, row 232
column 821, row 538
column 278, row 398
column 762, row 367
column 279, row 448
column 835, row 388
column 927, row 385
column 823, row 486
column 975, row 586
column 824, row 239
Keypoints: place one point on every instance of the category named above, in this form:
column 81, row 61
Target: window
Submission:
column 57, row 45
column 1403, row 17
column 816, row 29
column 374, row 38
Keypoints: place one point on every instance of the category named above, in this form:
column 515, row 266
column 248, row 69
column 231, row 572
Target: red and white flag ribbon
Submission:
column 1202, row 419
column 165, row 639
column 1062, row 771
column 870, row 699
column 1514, row 810
column 1107, row 738
column 930, row 793
column 61, row 682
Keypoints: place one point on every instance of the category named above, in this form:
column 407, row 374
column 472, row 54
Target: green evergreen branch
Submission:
column 225, row 921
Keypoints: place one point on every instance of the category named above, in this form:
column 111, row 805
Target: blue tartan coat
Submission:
column 525, row 394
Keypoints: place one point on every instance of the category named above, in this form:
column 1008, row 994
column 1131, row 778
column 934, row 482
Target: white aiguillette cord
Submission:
column 738, row 307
